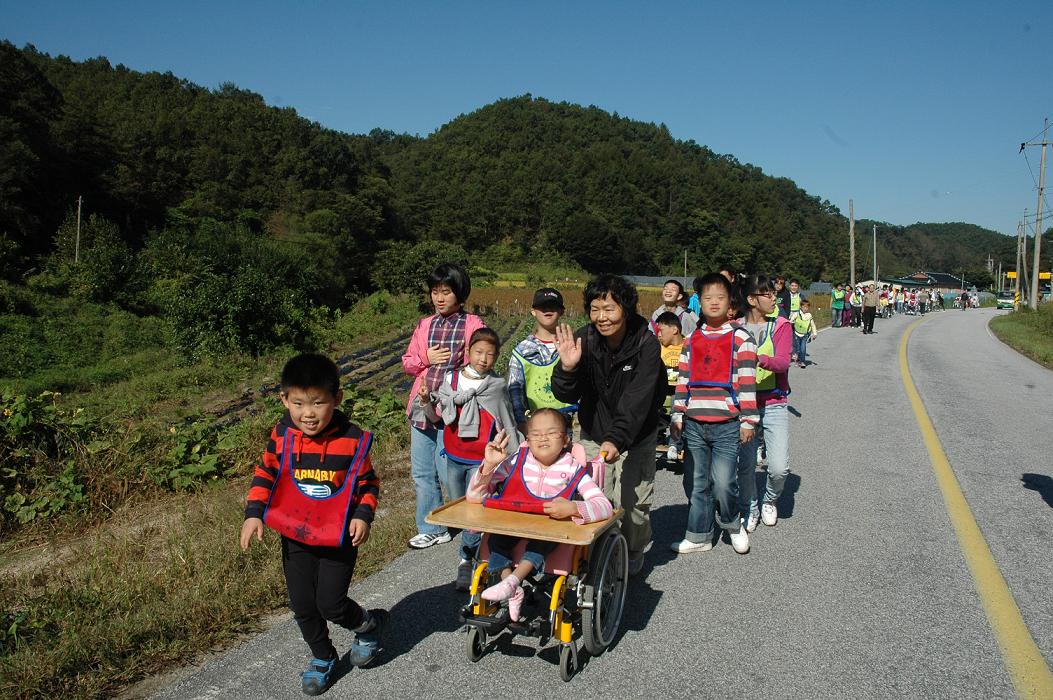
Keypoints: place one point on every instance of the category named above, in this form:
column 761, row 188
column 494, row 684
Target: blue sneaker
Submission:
column 315, row 680
column 367, row 645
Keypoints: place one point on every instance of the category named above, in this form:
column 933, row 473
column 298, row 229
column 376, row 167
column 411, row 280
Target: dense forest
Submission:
column 236, row 222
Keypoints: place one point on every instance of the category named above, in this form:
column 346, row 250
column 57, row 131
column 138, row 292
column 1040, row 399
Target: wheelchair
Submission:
column 580, row 596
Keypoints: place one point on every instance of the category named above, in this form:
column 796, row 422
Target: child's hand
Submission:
column 745, row 434
column 675, row 431
column 568, row 347
column 560, row 509
column 438, row 355
column 424, row 394
column 495, row 453
column 359, row 531
column 251, row 526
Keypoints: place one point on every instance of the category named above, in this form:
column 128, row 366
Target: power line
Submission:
column 1033, row 180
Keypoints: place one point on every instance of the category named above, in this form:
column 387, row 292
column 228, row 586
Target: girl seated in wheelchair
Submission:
column 543, row 477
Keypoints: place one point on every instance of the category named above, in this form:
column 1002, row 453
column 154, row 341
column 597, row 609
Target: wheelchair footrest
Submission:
column 498, row 622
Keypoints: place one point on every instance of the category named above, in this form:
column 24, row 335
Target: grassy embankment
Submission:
column 129, row 566
column 1028, row 332
column 137, row 569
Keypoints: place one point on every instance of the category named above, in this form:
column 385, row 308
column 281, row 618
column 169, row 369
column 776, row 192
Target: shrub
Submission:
column 403, row 267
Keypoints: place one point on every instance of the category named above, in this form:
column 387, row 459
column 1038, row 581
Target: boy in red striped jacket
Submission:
column 715, row 407
column 316, row 487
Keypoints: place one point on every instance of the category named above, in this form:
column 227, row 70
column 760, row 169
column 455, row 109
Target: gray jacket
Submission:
column 491, row 396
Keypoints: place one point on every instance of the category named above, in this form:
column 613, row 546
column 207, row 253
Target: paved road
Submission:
column 860, row 591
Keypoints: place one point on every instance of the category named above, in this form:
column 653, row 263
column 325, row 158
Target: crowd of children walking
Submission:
column 709, row 372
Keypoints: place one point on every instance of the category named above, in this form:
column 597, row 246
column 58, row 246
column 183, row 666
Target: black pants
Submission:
column 855, row 317
column 868, row 318
column 318, row 579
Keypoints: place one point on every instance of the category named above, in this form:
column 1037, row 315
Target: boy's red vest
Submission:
column 319, row 520
column 712, row 362
column 514, row 494
column 471, row 450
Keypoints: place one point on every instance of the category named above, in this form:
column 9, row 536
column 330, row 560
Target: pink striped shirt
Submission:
column 545, row 482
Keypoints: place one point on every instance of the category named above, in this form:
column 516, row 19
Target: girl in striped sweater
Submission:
column 715, row 407
column 548, row 468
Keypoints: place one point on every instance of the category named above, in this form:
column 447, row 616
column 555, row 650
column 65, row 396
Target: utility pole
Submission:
column 1016, row 285
column 875, row 254
column 1038, row 221
column 851, row 246
column 76, row 249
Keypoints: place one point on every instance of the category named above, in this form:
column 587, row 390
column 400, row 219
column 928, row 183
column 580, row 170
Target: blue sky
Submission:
column 913, row 109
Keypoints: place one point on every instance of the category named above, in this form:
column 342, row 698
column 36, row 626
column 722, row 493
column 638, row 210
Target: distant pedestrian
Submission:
column 870, row 304
column 672, row 302
column 837, row 305
column 782, row 297
column 692, row 303
column 857, row 307
column 804, row 331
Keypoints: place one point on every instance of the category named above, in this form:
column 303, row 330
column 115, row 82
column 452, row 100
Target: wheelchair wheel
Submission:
column 476, row 644
column 568, row 662
column 605, row 589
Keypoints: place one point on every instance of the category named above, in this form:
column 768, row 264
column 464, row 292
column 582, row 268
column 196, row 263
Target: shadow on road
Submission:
column 789, row 493
column 420, row 615
column 1041, row 483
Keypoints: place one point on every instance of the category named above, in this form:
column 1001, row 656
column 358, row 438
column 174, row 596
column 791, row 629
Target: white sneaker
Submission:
column 740, row 540
column 751, row 522
column 424, row 540
column 671, row 454
column 769, row 514
column 685, row 546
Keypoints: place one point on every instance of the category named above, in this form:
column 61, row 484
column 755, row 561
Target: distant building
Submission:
column 940, row 280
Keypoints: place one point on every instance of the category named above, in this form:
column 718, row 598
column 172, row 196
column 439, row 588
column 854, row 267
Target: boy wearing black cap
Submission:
column 530, row 367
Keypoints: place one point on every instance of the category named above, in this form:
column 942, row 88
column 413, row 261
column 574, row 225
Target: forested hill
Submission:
column 524, row 177
column 610, row 193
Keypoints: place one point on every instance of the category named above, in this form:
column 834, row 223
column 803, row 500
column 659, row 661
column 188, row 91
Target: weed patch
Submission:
column 1028, row 332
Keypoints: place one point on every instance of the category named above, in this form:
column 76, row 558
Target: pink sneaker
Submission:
column 503, row 590
column 515, row 604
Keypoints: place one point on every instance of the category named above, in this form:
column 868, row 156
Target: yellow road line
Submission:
column 1027, row 668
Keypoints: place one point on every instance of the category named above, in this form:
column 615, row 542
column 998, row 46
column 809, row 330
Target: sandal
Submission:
column 315, row 680
column 367, row 645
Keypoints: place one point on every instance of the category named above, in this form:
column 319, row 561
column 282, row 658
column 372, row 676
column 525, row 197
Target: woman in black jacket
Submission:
column 612, row 368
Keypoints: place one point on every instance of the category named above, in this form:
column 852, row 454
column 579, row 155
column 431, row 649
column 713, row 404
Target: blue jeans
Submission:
column 800, row 346
column 835, row 317
column 711, row 477
column 428, row 468
column 501, row 547
column 775, row 422
column 458, row 476
column 747, row 478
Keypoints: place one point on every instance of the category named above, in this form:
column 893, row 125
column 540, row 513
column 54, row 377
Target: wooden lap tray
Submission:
column 474, row 516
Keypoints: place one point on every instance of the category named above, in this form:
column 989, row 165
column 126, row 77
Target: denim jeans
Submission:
column 800, row 346
column 835, row 317
column 458, row 476
column 428, row 468
column 711, row 477
column 775, row 422
column 501, row 547
column 747, row 477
